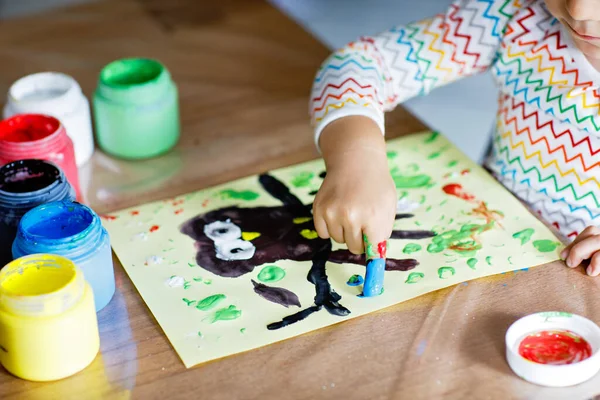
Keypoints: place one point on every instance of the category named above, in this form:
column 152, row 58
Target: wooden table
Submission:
column 244, row 72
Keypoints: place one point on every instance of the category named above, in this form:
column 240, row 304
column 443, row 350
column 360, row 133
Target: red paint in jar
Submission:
column 555, row 348
column 36, row 136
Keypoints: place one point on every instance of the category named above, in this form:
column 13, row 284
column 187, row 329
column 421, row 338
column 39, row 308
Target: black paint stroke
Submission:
column 291, row 319
column 276, row 295
column 412, row 234
column 391, row 264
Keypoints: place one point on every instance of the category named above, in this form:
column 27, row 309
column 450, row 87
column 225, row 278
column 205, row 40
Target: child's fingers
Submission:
column 320, row 225
column 594, row 268
column 587, row 232
column 583, row 250
column 353, row 238
column 335, row 229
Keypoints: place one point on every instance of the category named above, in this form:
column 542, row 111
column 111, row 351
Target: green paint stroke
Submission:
column 411, row 248
column 210, row 302
column 302, row 179
column 226, row 314
column 189, row 302
column 460, row 241
column 431, row 138
column 452, row 163
column 545, row 245
column 271, row 273
column 239, row 194
column 524, row 236
column 488, row 260
column 436, row 154
column 391, row 155
column 446, row 272
column 471, row 262
column 243, row 330
column 414, row 277
column 409, row 181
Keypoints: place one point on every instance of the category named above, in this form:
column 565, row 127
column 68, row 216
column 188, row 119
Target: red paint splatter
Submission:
column 465, row 171
column 154, row 228
column 381, row 249
column 455, row 189
column 134, row 213
column 205, row 203
column 178, row 211
column 178, row 202
column 555, row 348
column 108, row 217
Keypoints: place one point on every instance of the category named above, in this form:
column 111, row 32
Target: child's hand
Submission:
column 585, row 247
column 358, row 195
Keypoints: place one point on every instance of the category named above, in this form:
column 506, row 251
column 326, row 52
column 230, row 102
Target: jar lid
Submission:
column 554, row 348
column 40, row 285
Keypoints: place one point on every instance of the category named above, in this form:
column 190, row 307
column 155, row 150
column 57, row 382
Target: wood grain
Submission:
column 244, row 72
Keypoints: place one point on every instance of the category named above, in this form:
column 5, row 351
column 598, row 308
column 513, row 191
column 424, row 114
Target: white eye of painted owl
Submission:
column 220, row 231
column 234, row 250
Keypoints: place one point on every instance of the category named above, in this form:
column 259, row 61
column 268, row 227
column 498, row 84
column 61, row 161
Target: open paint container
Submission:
column 554, row 348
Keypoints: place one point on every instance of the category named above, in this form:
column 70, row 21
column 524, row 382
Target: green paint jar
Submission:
column 136, row 110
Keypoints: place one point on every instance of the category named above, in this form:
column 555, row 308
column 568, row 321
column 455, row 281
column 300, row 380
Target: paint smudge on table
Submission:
column 421, row 347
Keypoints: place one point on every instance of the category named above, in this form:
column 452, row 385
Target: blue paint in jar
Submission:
column 25, row 184
column 74, row 231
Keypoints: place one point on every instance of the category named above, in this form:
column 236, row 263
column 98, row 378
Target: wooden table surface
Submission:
column 244, row 73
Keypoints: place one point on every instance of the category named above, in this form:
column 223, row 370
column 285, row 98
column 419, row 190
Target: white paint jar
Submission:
column 59, row 96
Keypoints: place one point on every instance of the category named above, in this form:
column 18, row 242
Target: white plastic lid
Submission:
column 546, row 374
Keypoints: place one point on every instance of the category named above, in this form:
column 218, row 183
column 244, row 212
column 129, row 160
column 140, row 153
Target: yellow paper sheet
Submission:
column 207, row 315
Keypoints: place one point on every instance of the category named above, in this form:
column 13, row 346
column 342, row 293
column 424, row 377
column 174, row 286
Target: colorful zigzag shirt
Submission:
column 547, row 141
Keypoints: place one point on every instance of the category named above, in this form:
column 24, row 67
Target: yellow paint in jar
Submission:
column 48, row 324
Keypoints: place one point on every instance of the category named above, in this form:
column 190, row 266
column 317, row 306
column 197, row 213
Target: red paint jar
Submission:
column 36, row 136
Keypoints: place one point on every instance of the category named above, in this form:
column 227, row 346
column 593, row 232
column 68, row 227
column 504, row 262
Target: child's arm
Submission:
column 358, row 83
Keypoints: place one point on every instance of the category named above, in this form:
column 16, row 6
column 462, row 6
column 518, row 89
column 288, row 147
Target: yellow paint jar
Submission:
column 48, row 324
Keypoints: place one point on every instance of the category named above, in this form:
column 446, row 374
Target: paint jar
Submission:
column 74, row 231
column 37, row 136
column 136, row 110
column 25, row 184
column 570, row 338
column 48, row 327
column 58, row 95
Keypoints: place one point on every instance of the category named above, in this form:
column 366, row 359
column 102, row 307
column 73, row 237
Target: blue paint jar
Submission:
column 25, row 184
column 74, row 231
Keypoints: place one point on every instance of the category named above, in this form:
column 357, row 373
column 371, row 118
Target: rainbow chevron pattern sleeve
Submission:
column 374, row 74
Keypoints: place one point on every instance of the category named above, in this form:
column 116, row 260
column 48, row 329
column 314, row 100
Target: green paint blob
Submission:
column 391, row 155
column 302, row 179
column 207, row 281
column 446, row 272
column 471, row 262
column 452, row 163
column 409, row 181
column 524, row 236
column 545, row 245
column 226, row 314
column 210, row 302
column 411, row 248
column 271, row 273
column 246, row 195
column 459, row 241
column 431, row 138
column 488, row 260
column 243, row 330
column 198, row 279
column 200, row 334
column 414, row 277
column 355, row 280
